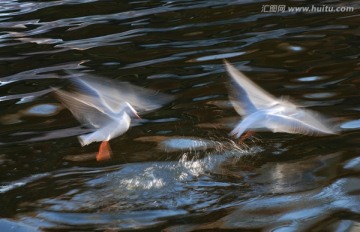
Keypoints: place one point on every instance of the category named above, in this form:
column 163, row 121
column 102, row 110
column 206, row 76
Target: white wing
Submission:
column 85, row 109
column 302, row 122
column 111, row 92
column 245, row 95
column 253, row 121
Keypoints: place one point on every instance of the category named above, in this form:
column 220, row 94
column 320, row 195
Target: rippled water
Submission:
column 177, row 169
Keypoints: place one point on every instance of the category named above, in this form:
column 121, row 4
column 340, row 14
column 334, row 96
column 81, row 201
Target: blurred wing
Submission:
column 101, row 89
column 112, row 92
column 84, row 108
column 142, row 99
column 253, row 121
column 304, row 122
column 245, row 95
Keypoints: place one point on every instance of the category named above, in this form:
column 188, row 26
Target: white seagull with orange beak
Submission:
column 107, row 106
column 261, row 110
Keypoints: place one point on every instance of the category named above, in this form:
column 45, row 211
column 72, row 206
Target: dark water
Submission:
column 178, row 170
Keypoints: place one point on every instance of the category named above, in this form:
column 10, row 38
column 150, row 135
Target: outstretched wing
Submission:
column 84, row 108
column 111, row 92
column 302, row 122
column 246, row 96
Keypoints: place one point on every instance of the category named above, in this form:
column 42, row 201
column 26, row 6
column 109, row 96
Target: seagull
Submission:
column 260, row 110
column 107, row 106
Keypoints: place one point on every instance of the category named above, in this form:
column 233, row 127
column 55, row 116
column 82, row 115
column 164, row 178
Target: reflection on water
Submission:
column 41, row 110
column 177, row 169
column 354, row 124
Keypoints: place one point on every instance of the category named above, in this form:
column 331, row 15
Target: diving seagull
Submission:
column 260, row 110
column 107, row 106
